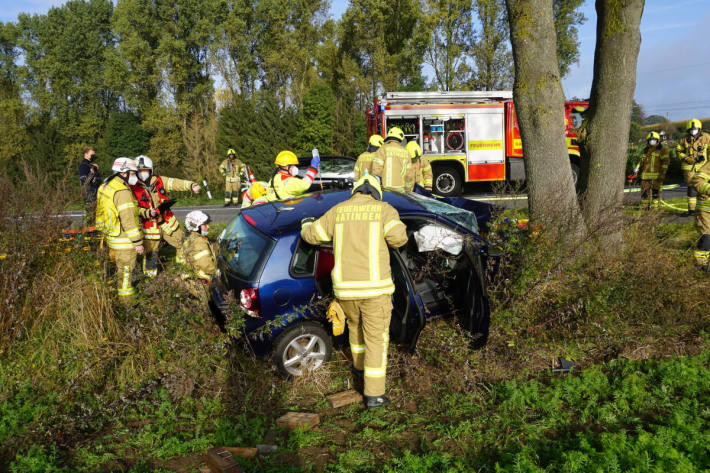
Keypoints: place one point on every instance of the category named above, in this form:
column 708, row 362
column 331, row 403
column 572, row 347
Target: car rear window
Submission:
column 463, row 217
column 244, row 248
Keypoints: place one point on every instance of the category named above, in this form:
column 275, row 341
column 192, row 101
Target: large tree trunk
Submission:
column 605, row 133
column 539, row 103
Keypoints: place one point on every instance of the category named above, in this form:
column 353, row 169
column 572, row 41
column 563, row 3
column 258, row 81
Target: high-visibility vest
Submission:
column 107, row 218
column 283, row 185
column 152, row 226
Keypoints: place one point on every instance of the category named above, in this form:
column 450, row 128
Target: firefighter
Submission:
column 117, row 217
column 285, row 182
column 364, row 161
column 199, row 254
column 361, row 230
column 232, row 169
column 701, row 184
column 150, row 191
column 392, row 164
column 690, row 147
column 253, row 194
column 653, row 167
column 423, row 174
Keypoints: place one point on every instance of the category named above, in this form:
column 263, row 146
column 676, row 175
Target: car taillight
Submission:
column 249, row 300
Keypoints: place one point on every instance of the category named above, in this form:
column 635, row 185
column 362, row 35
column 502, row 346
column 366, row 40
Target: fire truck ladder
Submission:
column 447, row 97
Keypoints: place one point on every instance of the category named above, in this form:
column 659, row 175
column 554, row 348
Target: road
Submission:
column 220, row 214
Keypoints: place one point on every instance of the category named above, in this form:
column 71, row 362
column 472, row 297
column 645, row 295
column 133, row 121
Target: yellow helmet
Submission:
column 376, row 141
column 368, row 184
column 257, row 190
column 231, row 151
column 396, row 133
column 286, row 158
column 654, row 135
column 414, row 150
column 694, row 123
column 580, row 109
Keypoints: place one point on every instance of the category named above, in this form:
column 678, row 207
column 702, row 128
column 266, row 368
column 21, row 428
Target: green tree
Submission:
column 165, row 125
column 655, row 120
column 316, row 121
column 567, row 17
column 447, row 35
column 125, row 136
column 490, row 53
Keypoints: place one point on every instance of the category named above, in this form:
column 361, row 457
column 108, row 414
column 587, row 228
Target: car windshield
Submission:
column 463, row 217
column 244, row 248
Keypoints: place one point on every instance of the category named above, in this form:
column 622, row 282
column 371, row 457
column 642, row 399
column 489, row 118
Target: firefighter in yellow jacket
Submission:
column 361, row 229
column 232, row 169
column 150, row 191
column 423, row 174
column 285, row 182
column 692, row 148
column 364, row 161
column 653, row 167
column 199, row 254
column 392, row 164
column 701, row 184
column 254, row 194
column 117, row 217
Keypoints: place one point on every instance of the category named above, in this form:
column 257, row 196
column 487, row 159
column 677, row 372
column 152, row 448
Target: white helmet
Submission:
column 194, row 219
column 124, row 164
column 144, row 162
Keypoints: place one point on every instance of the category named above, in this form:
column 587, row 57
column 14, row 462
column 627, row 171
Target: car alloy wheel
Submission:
column 303, row 354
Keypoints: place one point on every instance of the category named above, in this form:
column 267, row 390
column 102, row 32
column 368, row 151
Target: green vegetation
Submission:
column 86, row 387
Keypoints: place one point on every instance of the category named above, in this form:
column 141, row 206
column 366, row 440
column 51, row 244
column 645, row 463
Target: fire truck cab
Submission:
column 467, row 136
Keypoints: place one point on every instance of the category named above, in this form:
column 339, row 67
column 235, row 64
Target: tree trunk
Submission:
column 605, row 133
column 539, row 103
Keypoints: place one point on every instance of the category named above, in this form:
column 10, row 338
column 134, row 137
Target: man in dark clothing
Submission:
column 90, row 180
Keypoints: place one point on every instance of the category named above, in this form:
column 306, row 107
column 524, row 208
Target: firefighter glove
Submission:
column 315, row 162
column 336, row 316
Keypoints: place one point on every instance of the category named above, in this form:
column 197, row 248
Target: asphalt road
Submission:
column 220, row 214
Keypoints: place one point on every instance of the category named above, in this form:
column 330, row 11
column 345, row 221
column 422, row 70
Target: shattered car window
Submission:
column 463, row 217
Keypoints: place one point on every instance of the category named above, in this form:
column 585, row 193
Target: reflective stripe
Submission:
column 704, row 188
column 119, row 243
column 321, row 232
column 338, row 239
column 391, row 224
column 169, row 185
column 388, row 172
column 127, row 205
column 357, row 348
column 201, row 254
column 126, row 288
column 374, row 251
column 702, row 175
column 703, row 205
column 375, row 372
column 203, row 275
column 362, row 294
column 357, row 284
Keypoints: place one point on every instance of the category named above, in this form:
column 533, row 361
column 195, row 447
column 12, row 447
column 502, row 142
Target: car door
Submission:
column 473, row 306
column 407, row 315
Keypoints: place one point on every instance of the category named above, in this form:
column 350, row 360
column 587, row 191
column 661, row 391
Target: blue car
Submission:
column 283, row 284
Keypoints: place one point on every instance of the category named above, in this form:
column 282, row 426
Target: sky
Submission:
column 673, row 68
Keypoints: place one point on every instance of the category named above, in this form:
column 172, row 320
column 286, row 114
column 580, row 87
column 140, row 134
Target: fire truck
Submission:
column 467, row 136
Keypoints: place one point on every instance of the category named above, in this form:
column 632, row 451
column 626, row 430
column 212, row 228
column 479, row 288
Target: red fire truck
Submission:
column 467, row 136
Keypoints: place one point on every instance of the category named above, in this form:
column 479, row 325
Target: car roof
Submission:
column 283, row 217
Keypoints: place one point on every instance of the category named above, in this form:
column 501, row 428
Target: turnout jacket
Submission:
column 232, row 170
column 363, row 163
column 283, row 185
column 687, row 150
column 361, row 229
column 117, row 215
column 150, row 196
column 393, row 165
column 423, row 174
column 199, row 255
column 654, row 163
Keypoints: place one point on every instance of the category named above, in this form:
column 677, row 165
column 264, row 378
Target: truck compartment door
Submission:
column 485, row 147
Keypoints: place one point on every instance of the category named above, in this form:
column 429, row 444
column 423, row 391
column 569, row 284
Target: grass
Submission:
column 87, row 387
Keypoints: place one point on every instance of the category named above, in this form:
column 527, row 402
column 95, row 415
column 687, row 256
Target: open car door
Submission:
column 407, row 319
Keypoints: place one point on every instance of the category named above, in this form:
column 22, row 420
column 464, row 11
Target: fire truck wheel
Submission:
column 447, row 181
column 575, row 174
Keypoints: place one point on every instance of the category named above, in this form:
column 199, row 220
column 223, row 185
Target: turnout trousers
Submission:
column 369, row 326
column 650, row 193
column 125, row 262
column 692, row 193
column 702, row 220
column 150, row 257
column 231, row 192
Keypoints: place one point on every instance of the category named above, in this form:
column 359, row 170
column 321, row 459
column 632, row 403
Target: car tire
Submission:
column 302, row 348
column 447, row 181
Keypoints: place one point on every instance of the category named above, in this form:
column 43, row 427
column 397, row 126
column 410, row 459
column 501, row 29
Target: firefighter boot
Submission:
column 227, row 199
column 373, row 402
column 358, row 379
